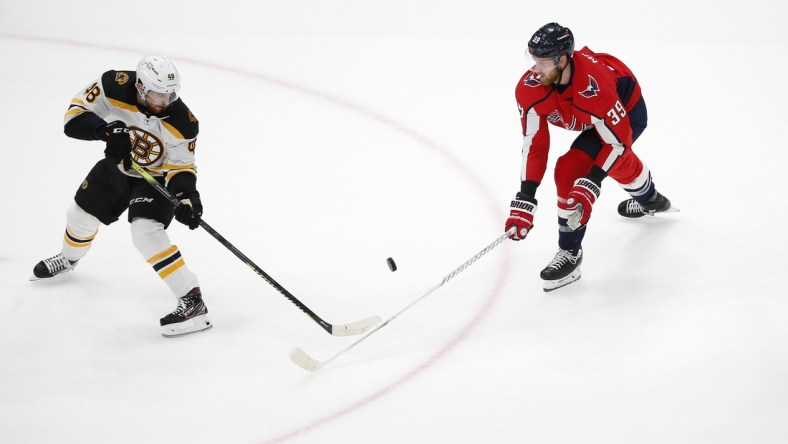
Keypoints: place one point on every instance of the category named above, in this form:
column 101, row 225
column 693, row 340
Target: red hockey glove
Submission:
column 521, row 216
column 580, row 202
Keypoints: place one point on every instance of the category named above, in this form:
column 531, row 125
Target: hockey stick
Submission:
column 303, row 360
column 353, row 328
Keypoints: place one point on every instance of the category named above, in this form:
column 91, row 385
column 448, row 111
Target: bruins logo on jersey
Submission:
column 121, row 78
column 146, row 148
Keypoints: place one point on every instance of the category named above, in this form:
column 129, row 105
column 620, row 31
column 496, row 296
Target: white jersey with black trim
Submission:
column 163, row 144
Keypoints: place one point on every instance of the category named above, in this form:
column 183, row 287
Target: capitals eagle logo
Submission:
column 592, row 90
column 531, row 80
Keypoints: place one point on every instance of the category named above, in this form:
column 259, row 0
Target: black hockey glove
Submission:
column 190, row 210
column 118, row 139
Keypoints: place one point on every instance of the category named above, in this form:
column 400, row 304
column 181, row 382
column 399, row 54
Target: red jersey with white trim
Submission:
column 601, row 92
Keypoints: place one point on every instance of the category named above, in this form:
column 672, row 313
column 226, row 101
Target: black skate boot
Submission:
column 188, row 317
column 52, row 266
column 657, row 204
column 563, row 269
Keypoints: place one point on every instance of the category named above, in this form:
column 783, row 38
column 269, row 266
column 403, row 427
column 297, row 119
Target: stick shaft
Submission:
column 174, row 200
column 315, row 365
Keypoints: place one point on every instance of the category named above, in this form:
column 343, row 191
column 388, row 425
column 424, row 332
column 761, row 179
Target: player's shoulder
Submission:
column 587, row 62
column 598, row 64
column 529, row 90
column 529, row 79
column 181, row 119
column 592, row 79
column 119, row 86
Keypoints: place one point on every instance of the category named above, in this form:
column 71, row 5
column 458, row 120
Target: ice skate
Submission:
column 563, row 269
column 189, row 317
column 657, row 204
column 52, row 267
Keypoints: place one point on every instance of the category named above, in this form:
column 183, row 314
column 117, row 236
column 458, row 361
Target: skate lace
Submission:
column 561, row 258
column 186, row 305
column 634, row 207
column 56, row 263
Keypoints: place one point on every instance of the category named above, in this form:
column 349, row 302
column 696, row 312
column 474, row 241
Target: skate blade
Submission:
column 558, row 283
column 193, row 325
column 669, row 210
column 34, row 278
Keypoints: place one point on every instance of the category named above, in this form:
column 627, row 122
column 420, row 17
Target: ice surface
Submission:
column 337, row 134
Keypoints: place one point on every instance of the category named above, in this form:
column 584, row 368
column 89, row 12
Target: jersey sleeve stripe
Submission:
column 74, row 112
column 608, row 137
column 532, row 123
column 123, row 105
column 173, row 130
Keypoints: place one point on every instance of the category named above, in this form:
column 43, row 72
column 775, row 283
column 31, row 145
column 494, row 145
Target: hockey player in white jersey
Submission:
column 140, row 117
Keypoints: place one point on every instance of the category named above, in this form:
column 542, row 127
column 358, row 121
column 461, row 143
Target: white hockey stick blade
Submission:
column 303, row 360
column 308, row 363
column 355, row 328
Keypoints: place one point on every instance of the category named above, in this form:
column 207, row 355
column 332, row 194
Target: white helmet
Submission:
column 158, row 74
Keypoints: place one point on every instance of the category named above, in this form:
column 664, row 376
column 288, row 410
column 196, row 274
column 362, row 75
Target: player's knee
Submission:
column 629, row 170
column 569, row 167
column 81, row 220
column 148, row 236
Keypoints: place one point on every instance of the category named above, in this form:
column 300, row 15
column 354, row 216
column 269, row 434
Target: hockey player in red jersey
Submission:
column 140, row 117
column 595, row 94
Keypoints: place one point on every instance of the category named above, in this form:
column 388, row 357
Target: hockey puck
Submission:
column 392, row 265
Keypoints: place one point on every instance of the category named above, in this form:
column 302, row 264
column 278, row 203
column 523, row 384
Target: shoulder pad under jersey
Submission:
column 530, row 92
column 119, row 86
column 180, row 118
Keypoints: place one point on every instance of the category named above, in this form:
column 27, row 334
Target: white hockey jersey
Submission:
column 162, row 144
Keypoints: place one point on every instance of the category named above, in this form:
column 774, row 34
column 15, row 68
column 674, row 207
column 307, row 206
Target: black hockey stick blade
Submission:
column 353, row 328
column 308, row 363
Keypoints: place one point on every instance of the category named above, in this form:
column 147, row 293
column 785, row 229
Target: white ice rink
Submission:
column 335, row 134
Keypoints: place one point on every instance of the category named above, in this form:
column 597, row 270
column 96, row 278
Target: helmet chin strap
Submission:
column 142, row 99
column 141, row 94
column 560, row 70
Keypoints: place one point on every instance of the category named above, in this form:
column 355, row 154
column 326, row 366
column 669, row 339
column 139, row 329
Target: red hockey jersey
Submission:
column 601, row 93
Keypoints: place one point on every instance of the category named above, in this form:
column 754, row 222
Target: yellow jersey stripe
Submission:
column 172, row 129
column 172, row 166
column 171, row 269
column 123, row 105
column 74, row 112
column 74, row 244
column 157, row 257
column 91, row 237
